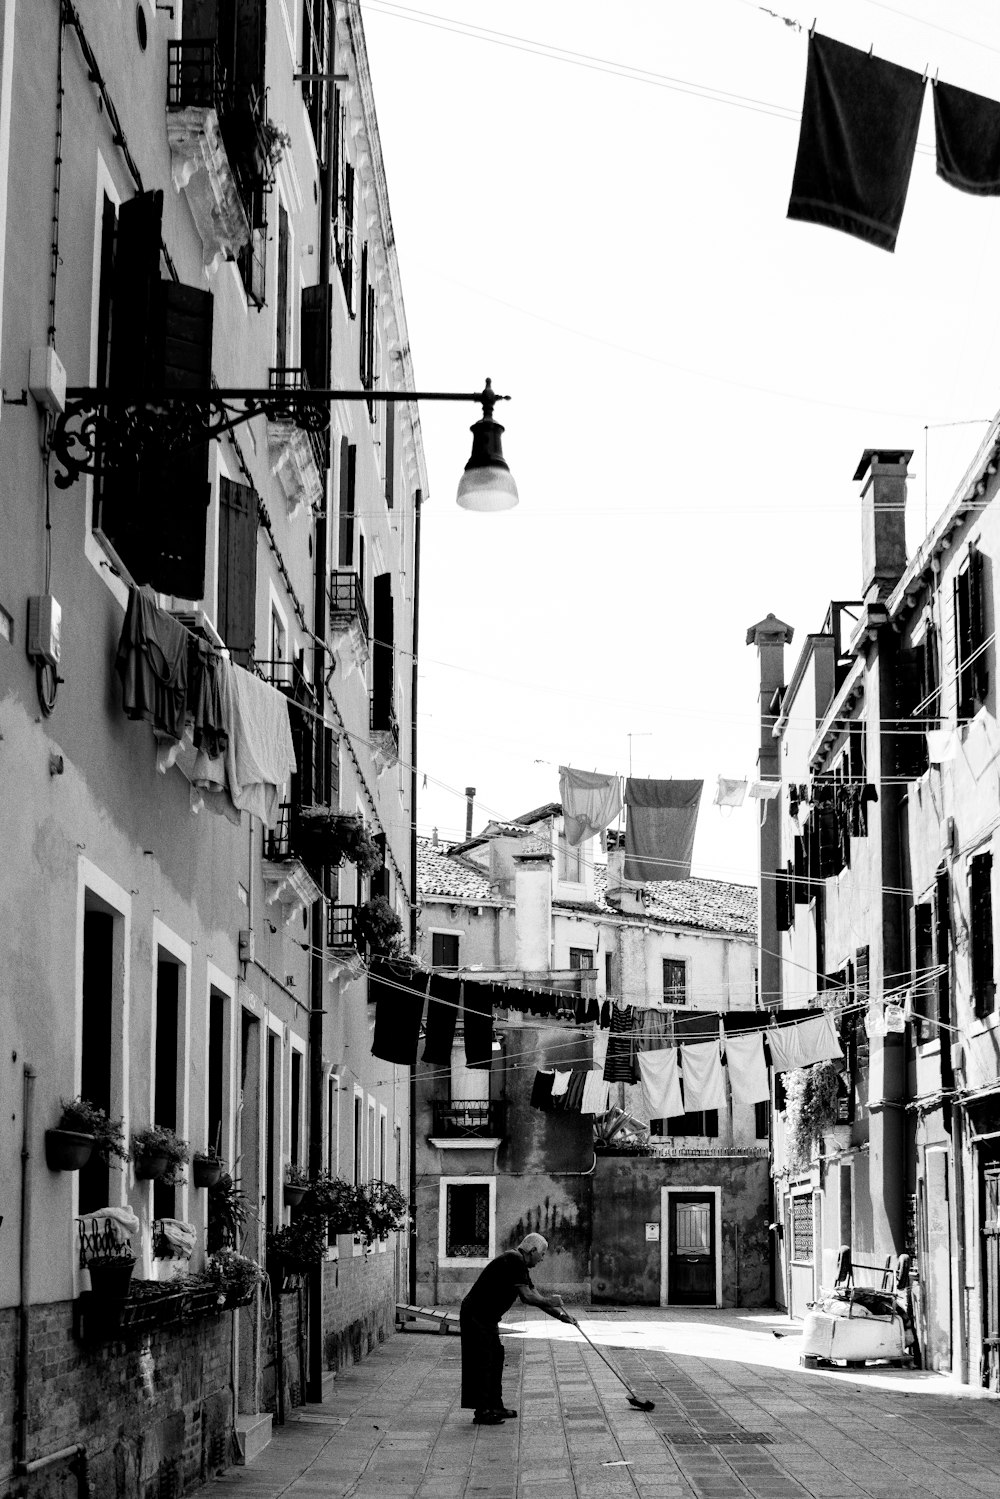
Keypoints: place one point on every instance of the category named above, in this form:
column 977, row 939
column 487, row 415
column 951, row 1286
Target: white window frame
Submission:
column 173, row 944
column 460, row 1261
column 223, row 984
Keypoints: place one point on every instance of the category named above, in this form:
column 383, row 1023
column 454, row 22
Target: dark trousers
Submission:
column 482, row 1365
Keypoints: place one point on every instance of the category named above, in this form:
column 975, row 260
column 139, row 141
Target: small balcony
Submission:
column 202, row 166
column 299, row 458
column 288, row 885
column 343, row 940
column 349, row 616
column 477, row 1118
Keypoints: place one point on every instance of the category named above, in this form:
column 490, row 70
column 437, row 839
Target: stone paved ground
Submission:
column 735, row 1416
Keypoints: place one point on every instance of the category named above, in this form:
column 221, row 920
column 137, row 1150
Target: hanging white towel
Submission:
column 595, row 1094
column 661, row 1087
column 600, row 1047
column 747, row 1069
column 764, row 791
column 635, row 1103
column 561, row 1083
column 803, row 1043
column 942, row 744
column 701, row 1069
column 730, row 793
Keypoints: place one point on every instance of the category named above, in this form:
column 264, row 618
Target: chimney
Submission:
column 770, row 636
column 470, row 796
column 434, row 837
column 883, row 519
column 533, row 906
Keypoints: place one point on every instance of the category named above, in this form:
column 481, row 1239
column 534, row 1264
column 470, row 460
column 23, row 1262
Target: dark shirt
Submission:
column 496, row 1289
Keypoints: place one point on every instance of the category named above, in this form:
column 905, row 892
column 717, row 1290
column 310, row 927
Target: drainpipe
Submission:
column 418, row 500
column 957, row 1150
column 24, row 1309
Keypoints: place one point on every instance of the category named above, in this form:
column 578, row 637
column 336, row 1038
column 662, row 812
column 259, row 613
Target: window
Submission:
column 317, row 54
column 981, row 933
column 383, row 714
column 921, row 963
column 612, row 984
column 272, row 1125
column 674, row 981
column 383, row 1125
column 581, row 957
column 278, row 640
column 570, row 861
column 347, row 263
column 166, row 1062
column 236, row 609
column 802, row 1226
column 970, row 636
column 295, row 1111
column 97, row 1031
column 332, row 1125
column 701, row 1122
column 444, row 950
column 348, row 473
column 218, row 1066
column 390, row 454
column 467, row 1220
column 761, row 1119
column 359, row 1138
column 281, row 303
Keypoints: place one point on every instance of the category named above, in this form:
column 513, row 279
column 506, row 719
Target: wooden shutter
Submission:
column 382, row 652
column 964, row 645
column 921, row 960
column 281, row 300
column 390, row 453
column 236, row 618
column 783, row 908
column 349, row 237
column 364, row 306
column 348, row 472
column 135, row 292
column 317, row 334
column 977, row 625
column 981, row 939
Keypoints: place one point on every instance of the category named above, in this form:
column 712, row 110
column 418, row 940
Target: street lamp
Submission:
column 102, row 430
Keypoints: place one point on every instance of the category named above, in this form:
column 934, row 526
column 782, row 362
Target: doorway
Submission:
column 690, row 1248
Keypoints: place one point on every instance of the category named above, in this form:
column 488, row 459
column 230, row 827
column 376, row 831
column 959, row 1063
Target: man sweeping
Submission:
column 504, row 1279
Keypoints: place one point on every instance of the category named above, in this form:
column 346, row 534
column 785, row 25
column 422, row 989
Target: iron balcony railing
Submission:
column 475, row 1117
column 294, row 377
column 195, row 76
column 347, row 600
column 384, row 717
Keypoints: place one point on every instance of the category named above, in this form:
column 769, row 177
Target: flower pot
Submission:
column 293, row 1195
column 206, row 1173
column 150, row 1168
column 67, row 1149
column 111, row 1276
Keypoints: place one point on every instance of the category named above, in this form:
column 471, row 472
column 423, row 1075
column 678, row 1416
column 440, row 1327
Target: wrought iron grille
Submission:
column 294, row 377
column 195, row 76
column 474, row 1116
column 467, row 1231
column 100, row 1239
column 347, row 600
column 342, row 927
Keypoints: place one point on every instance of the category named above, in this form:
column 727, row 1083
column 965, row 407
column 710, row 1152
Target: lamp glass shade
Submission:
column 490, row 488
column 487, row 483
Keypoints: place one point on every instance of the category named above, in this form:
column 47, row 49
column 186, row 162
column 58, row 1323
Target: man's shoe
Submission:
column 488, row 1418
column 507, row 1415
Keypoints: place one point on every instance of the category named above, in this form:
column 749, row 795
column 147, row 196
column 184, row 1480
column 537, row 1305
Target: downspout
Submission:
column 314, row 1319
column 24, row 1308
column 957, row 1149
column 418, row 500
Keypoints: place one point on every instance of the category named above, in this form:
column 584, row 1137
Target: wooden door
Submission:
column 691, row 1250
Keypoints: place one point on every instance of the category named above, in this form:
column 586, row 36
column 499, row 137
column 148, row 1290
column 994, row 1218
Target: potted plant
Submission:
column 296, row 1182
column 299, row 1246
column 382, row 1210
column 336, row 1201
column 110, row 1280
column 324, row 837
column 228, row 1209
column 159, row 1154
column 83, row 1130
column 235, row 1276
column 206, row 1167
column 273, row 141
column 379, row 928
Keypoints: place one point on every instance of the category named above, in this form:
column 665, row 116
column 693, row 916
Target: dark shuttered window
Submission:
column 383, row 652
column 981, row 937
column 970, row 636
column 348, row 473
column 237, row 568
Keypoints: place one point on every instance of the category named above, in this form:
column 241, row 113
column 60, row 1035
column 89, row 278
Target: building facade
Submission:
column 192, row 199
column 519, row 906
column 879, row 864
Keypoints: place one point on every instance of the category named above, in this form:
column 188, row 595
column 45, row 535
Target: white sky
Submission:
column 694, row 377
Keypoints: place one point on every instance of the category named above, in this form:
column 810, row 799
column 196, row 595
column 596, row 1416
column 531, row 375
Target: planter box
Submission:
column 67, row 1149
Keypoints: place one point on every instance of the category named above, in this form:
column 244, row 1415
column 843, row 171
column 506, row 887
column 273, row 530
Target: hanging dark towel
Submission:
column 619, row 1066
column 541, row 1091
column 605, row 1015
column 593, row 1011
column 398, row 1013
column 573, row 1097
column 580, row 1009
column 659, row 832
column 967, row 127
column 477, row 1017
column 856, row 142
column 442, row 1015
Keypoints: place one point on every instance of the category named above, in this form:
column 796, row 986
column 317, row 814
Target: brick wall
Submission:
column 359, row 1305
column 155, row 1415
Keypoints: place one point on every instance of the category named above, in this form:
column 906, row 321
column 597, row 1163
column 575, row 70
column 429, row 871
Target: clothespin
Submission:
column 812, row 29
column 871, row 49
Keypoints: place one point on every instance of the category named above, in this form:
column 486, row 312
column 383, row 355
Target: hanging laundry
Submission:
column 477, row 1018
column 595, row 1094
column 571, row 1100
column 661, row 1083
column 442, row 1016
column 730, row 793
column 659, row 831
column 619, row 1066
column 803, row 1043
column 398, row 1013
column 541, row 1090
column 606, row 1015
column 152, row 663
column 560, row 1083
column 748, row 1081
column 764, row 791
column 636, row 1105
column 590, row 802
column 856, row 142
column 652, row 1030
column 600, row 1049
column 260, row 755
column 701, row 1072
column 942, row 745
column 967, row 128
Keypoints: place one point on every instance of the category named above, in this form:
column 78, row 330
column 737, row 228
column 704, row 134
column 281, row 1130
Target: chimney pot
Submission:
column 883, row 518
column 470, row 796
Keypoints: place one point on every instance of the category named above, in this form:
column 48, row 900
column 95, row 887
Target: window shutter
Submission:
column 348, row 471
column 281, row 301
column 383, row 652
column 981, row 943
column 349, row 236
column 135, row 291
column 803, row 894
column 364, row 306
column 782, row 903
column 964, row 644
column 317, row 335
column 977, row 625
column 236, row 617
column 390, row 453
